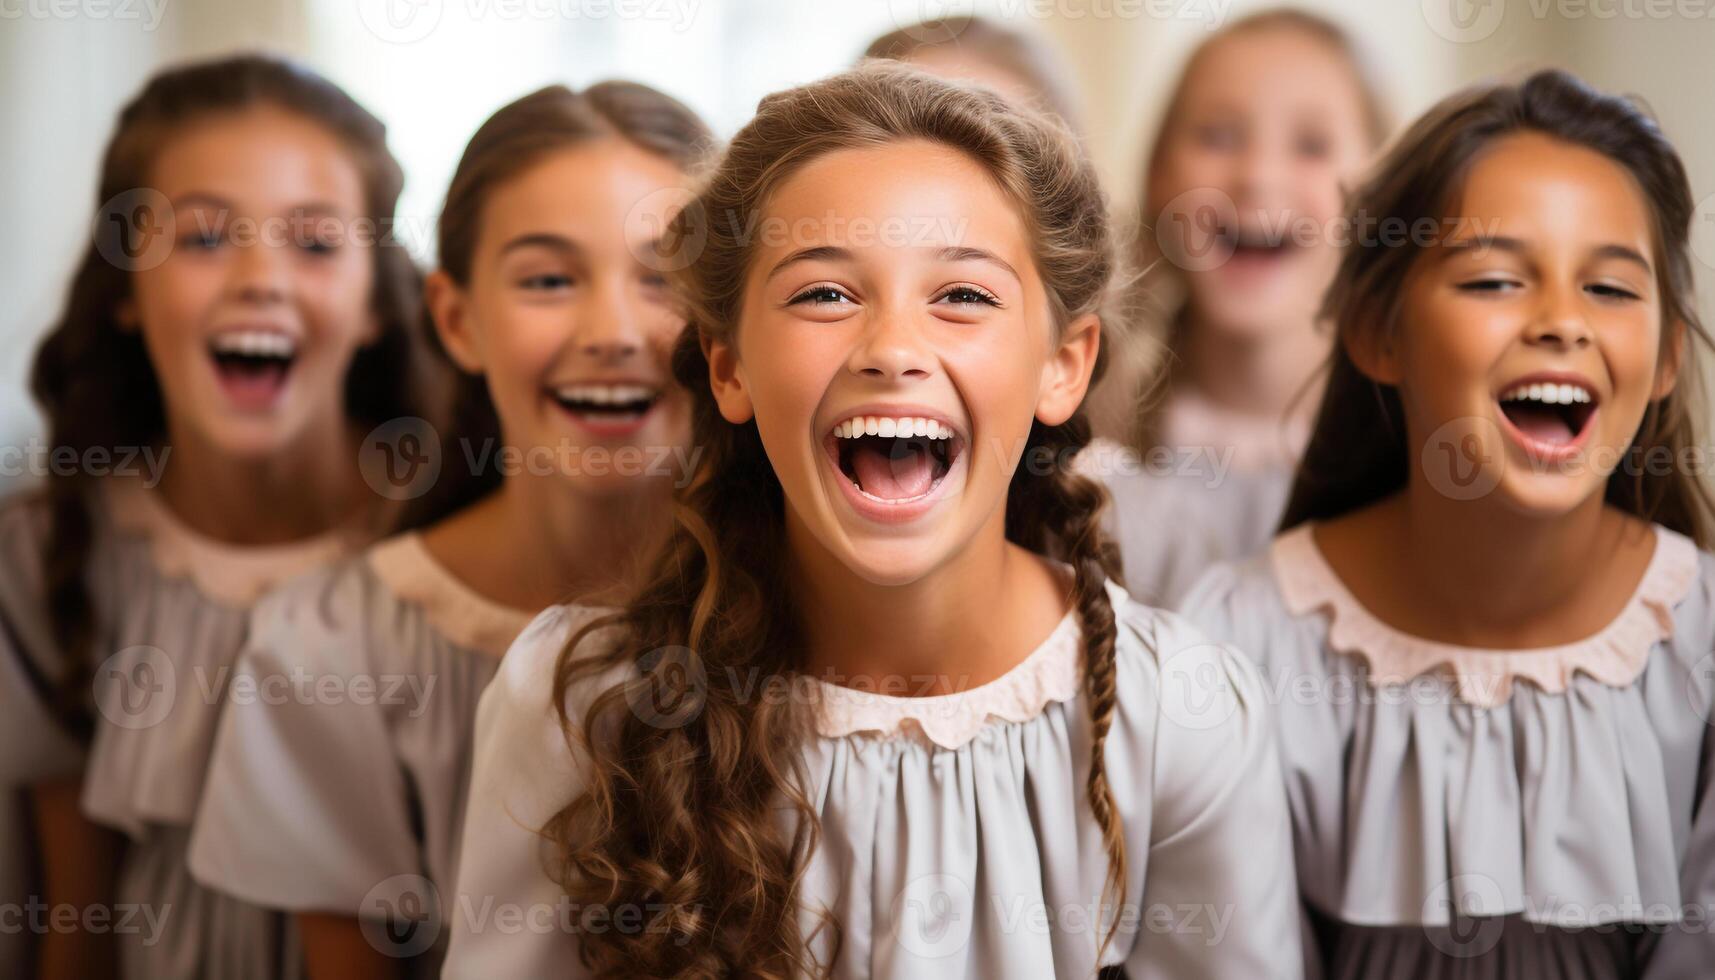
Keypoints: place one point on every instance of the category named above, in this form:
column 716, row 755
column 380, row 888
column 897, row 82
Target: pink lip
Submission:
column 874, row 508
column 1552, row 452
column 608, row 428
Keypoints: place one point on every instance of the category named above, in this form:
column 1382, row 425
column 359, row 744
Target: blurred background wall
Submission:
column 433, row 69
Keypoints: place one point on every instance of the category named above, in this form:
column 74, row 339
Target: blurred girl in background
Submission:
column 550, row 296
column 1241, row 209
column 242, row 320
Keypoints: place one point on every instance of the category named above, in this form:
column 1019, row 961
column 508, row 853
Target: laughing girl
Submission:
column 880, row 708
column 1490, row 616
column 240, row 315
column 346, row 811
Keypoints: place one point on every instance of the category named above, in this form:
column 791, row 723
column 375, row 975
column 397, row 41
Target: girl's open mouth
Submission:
column 1551, row 419
column 608, row 410
column 892, row 466
column 252, row 365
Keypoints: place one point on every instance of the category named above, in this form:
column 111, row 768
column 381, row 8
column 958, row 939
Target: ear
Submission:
column 1672, row 357
column 726, row 379
column 1374, row 353
column 1066, row 377
column 451, row 312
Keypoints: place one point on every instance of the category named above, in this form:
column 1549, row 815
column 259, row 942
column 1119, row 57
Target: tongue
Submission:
column 899, row 473
column 1540, row 422
column 252, row 384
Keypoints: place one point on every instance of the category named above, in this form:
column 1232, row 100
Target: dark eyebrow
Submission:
column 966, row 253
column 541, row 239
column 1502, row 243
column 817, row 253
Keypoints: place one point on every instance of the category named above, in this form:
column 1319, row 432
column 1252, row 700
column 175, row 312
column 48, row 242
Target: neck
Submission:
column 1261, row 374
column 561, row 545
column 948, row 631
column 299, row 492
column 1487, row 570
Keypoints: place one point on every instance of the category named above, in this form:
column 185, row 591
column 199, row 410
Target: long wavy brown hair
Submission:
column 687, row 817
column 1358, row 452
column 515, row 138
column 93, row 380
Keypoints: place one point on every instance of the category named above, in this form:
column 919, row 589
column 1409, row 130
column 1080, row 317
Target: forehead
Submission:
column 596, row 189
column 1274, row 69
column 909, row 193
column 262, row 157
column 1534, row 186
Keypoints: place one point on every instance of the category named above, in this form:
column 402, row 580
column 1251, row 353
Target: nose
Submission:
column 260, row 273
column 890, row 348
column 610, row 322
column 1261, row 171
column 1558, row 320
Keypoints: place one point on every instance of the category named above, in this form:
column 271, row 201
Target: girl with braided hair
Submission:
column 880, row 708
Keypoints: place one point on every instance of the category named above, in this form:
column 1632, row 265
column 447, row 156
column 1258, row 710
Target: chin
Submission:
column 1546, row 496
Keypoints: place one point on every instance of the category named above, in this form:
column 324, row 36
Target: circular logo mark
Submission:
column 659, row 242
column 1193, row 230
column 1472, row 906
column 136, row 687
column 401, row 459
column 401, row 916
column 1464, row 21
column 1195, row 690
column 926, row 21
column 932, row 916
column 1462, row 459
column 400, row 21
column 134, row 229
column 670, row 688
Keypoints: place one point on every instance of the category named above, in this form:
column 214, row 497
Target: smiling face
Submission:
column 252, row 320
column 1245, row 189
column 1537, row 326
column 568, row 326
column 893, row 289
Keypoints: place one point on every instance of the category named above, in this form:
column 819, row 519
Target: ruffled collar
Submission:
column 1052, row 673
column 453, row 608
column 1257, row 444
column 235, row 575
column 1615, row 656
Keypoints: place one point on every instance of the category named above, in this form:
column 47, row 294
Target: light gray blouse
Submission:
column 340, row 768
column 1491, row 813
column 956, row 842
column 170, row 610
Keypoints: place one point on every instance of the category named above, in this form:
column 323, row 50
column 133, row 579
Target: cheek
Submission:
column 339, row 291
column 172, row 299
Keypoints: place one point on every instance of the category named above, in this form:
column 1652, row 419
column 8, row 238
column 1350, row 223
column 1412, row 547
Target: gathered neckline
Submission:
column 1614, row 655
column 1051, row 673
column 233, row 574
column 406, row 566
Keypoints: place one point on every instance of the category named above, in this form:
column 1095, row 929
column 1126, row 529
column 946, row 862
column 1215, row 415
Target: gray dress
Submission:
column 170, row 610
column 343, row 791
column 1465, row 813
column 955, row 838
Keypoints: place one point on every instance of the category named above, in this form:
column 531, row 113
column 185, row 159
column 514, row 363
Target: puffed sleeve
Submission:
column 306, row 806
column 1686, row 951
column 33, row 746
column 511, row 919
column 1220, row 897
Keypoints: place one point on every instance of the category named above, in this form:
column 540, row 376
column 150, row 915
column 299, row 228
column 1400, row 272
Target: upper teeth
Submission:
column 875, row 425
column 254, row 343
column 1551, row 394
column 604, row 394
